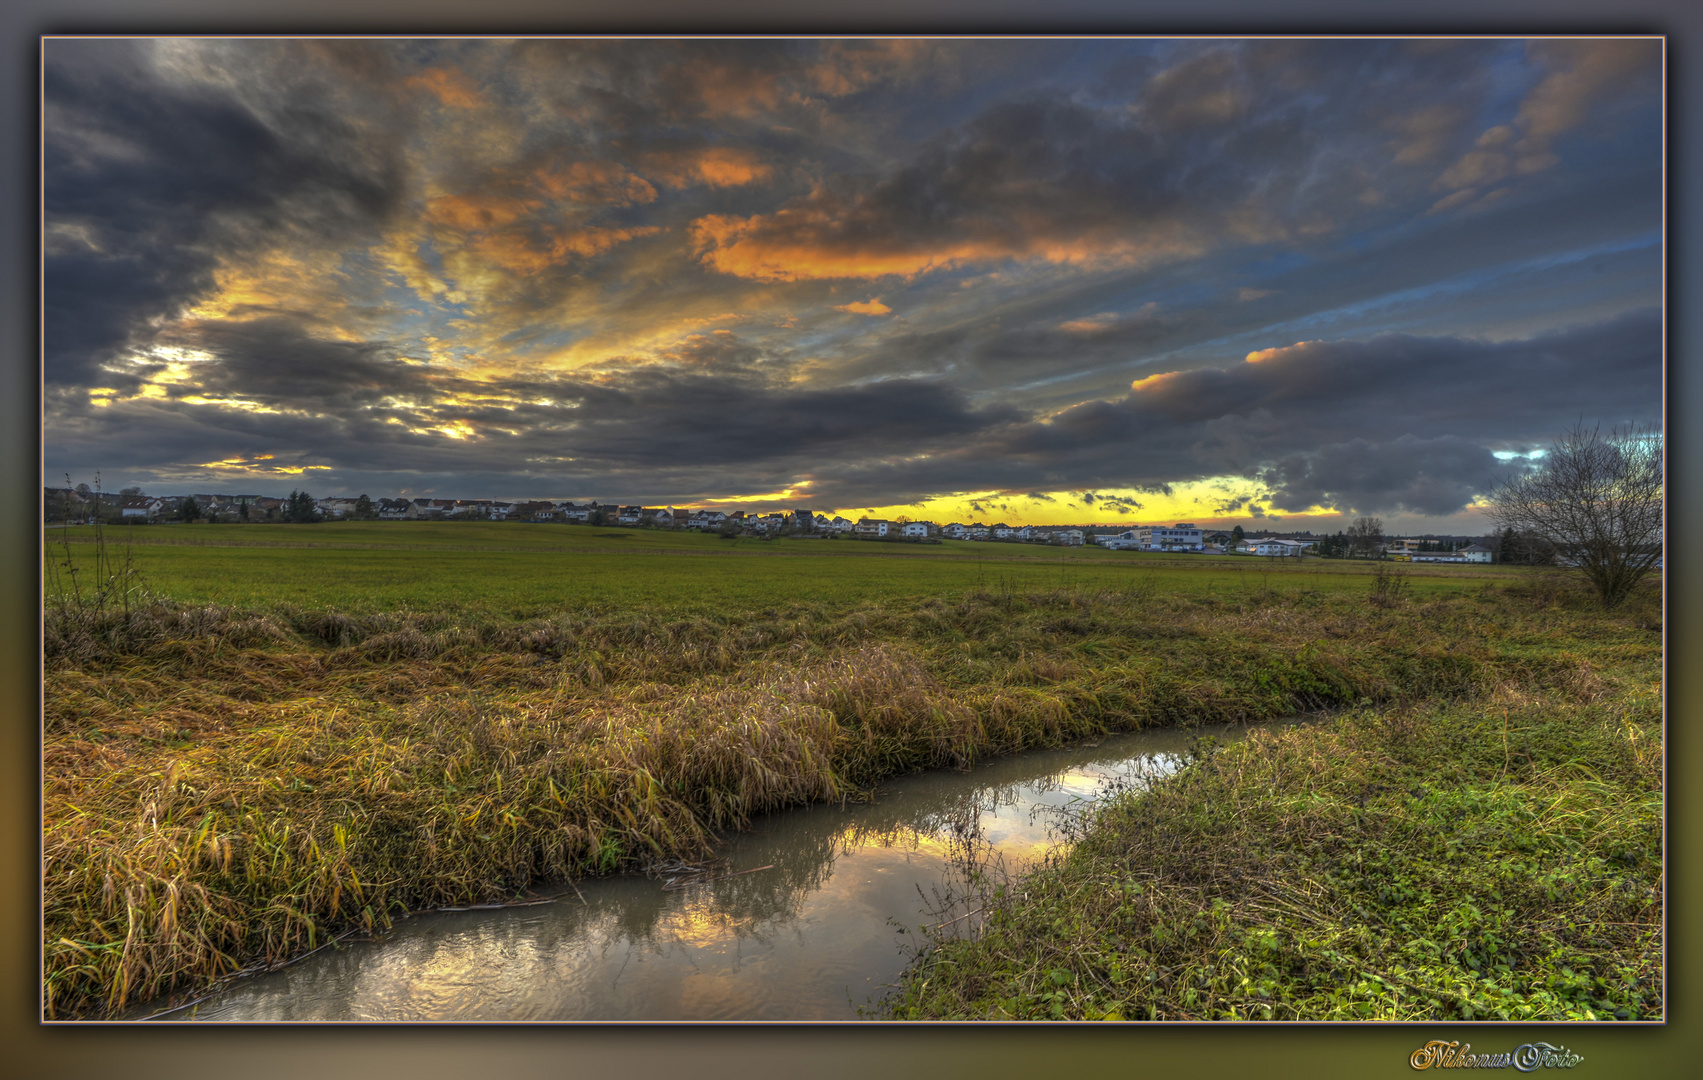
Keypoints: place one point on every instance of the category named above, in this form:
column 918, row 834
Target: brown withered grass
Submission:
column 226, row 787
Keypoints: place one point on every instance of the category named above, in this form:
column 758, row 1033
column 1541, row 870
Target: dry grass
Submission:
column 227, row 787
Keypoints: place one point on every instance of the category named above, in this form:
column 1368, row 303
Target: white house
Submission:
column 1476, row 553
column 1123, row 541
column 955, row 530
column 922, row 529
column 872, row 527
column 1272, row 546
column 1180, row 537
column 424, row 508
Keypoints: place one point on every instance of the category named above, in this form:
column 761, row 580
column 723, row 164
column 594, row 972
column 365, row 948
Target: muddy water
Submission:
column 797, row 919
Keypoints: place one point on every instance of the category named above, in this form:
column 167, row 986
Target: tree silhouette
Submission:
column 1596, row 501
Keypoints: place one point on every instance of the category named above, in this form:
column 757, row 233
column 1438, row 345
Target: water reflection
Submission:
column 793, row 920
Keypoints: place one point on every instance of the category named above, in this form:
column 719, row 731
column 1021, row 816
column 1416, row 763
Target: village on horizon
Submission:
column 72, row 505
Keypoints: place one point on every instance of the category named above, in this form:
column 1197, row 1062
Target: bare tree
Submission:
column 1597, row 500
column 1364, row 536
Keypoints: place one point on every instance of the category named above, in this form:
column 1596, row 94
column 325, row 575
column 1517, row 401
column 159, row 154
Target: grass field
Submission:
column 522, row 570
column 280, row 733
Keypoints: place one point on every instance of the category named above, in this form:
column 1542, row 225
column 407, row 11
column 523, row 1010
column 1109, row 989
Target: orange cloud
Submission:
column 718, row 166
column 1153, row 382
column 1105, row 320
column 596, row 181
column 848, row 66
column 449, row 86
column 872, row 306
column 589, row 242
column 733, row 89
column 1581, row 73
column 477, row 212
column 804, row 244
column 1260, row 356
column 742, row 249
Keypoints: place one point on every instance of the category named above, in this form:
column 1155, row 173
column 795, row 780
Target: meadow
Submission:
column 521, row 570
column 264, row 736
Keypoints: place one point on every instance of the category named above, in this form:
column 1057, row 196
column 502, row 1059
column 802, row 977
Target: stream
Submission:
column 797, row 919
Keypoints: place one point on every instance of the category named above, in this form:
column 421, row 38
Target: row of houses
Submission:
column 1397, row 550
column 922, row 530
column 1182, row 537
column 540, row 510
column 1472, row 553
column 702, row 519
column 150, row 508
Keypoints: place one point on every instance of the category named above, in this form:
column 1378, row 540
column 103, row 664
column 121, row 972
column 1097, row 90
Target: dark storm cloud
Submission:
column 1250, row 142
column 1038, row 343
column 148, row 183
column 1391, row 423
column 1421, row 476
column 707, row 415
column 678, row 419
column 1395, row 421
column 278, row 363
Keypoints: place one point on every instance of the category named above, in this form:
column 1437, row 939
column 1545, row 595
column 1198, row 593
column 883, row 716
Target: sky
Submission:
column 1281, row 283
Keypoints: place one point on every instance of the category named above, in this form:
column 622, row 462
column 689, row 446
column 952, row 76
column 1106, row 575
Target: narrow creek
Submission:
column 799, row 918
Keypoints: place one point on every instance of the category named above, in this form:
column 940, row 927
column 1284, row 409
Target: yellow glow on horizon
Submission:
column 790, row 492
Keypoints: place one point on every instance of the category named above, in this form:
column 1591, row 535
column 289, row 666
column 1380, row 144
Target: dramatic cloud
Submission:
column 1391, row 423
column 1042, row 278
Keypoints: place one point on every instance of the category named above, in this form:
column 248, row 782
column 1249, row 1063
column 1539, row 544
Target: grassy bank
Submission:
column 1496, row 858
column 231, row 784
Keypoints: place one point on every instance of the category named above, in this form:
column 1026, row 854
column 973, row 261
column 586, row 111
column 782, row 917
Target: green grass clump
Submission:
column 1498, row 860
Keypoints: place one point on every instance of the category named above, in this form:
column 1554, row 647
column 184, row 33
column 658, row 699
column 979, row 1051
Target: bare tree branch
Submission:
column 1596, row 501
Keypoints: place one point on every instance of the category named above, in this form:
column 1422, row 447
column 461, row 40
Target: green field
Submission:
column 272, row 734
column 525, row 570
